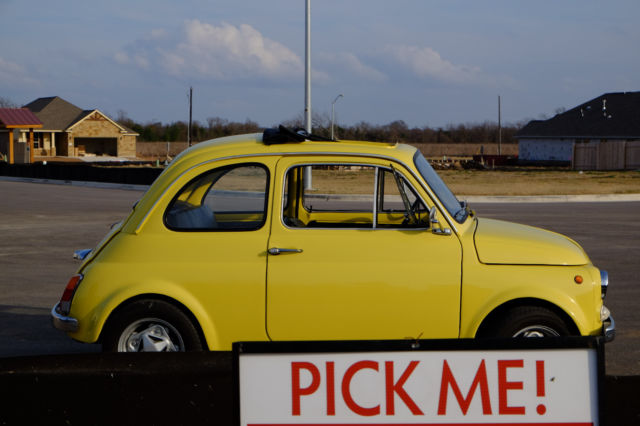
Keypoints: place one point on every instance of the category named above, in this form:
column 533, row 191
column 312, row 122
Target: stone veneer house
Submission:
column 70, row 131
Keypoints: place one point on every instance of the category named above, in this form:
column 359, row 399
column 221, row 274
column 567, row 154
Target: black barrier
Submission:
column 83, row 172
column 117, row 389
column 165, row 389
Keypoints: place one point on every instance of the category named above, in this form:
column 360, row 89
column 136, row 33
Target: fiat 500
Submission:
column 280, row 236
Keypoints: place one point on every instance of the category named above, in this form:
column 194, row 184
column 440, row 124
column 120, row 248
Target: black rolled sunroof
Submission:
column 285, row 135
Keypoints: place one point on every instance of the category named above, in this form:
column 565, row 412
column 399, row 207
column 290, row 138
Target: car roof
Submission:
column 252, row 144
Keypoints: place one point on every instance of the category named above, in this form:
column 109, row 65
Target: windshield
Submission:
column 458, row 210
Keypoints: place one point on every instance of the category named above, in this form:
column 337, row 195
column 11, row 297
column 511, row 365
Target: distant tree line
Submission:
column 396, row 131
column 399, row 131
column 177, row 131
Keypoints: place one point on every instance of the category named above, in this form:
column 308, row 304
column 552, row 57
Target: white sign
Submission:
column 472, row 387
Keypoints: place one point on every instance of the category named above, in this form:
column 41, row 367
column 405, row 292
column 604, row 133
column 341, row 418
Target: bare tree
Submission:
column 122, row 115
column 7, row 103
column 320, row 121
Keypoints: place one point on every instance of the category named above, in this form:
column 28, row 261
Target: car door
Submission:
column 348, row 261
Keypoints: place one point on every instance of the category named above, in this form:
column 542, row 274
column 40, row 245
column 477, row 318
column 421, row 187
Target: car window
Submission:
column 340, row 188
column 228, row 198
column 351, row 196
column 391, row 197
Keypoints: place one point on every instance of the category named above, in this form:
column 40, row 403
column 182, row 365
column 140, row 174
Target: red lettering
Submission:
column 397, row 388
column 346, row 388
column 540, row 378
column 504, row 386
column 296, row 390
column 464, row 403
column 331, row 393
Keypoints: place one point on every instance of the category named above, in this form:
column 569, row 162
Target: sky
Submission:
column 428, row 63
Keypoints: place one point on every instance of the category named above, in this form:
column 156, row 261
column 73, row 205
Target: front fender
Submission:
column 551, row 285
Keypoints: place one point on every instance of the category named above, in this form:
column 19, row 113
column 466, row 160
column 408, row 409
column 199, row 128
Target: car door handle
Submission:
column 276, row 250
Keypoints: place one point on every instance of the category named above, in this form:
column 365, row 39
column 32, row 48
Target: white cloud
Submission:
column 208, row 51
column 139, row 60
column 349, row 62
column 426, row 62
column 12, row 74
column 9, row 68
column 158, row 33
column 121, row 58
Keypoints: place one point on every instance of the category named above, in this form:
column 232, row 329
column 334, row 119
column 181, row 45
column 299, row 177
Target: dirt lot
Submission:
column 541, row 182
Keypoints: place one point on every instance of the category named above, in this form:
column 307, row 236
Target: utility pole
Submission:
column 499, row 127
column 333, row 112
column 190, row 111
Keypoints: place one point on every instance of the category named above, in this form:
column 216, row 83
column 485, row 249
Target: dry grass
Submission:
column 492, row 182
column 541, row 182
column 343, row 182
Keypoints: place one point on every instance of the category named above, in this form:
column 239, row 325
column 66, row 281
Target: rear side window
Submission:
column 224, row 199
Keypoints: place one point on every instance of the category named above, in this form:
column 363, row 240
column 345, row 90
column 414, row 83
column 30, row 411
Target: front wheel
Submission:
column 528, row 322
column 150, row 326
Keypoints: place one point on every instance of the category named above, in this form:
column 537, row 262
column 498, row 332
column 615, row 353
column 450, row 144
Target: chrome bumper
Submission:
column 62, row 322
column 609, row 329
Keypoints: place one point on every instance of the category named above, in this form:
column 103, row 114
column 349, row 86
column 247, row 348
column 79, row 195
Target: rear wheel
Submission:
column 150, row 326
column 528, row 322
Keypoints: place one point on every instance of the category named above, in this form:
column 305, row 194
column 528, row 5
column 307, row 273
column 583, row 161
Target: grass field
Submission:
column 540, row 182
column 504, row 182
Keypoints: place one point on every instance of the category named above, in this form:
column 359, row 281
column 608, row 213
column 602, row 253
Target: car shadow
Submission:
column 27, row 331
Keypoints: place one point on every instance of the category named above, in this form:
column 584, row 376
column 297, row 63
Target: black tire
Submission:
column 527, row 322
column 150, row 326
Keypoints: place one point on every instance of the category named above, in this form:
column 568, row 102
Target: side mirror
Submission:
column 433, row 220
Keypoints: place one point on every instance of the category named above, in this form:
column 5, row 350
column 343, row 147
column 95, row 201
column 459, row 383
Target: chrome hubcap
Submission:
column 537, row 331
column 150, row 335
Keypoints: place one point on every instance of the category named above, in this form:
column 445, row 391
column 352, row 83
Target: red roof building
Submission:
column 11, row 120
column 18, row 118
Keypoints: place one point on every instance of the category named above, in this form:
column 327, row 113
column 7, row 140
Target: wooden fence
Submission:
column 606, row 155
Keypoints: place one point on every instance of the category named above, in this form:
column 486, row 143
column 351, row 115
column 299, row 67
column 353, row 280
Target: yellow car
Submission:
column 281, row 236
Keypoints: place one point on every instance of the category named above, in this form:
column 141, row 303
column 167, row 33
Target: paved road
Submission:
column 41, row 225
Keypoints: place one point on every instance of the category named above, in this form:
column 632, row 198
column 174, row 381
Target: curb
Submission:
column 582, row 198
column 103, row 185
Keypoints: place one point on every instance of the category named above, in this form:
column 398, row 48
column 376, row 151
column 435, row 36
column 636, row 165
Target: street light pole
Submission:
column 333, row 112
column 307, row 71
